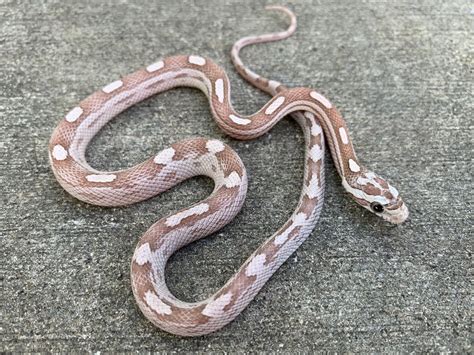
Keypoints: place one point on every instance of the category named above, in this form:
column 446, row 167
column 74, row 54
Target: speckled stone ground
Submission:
column 400, row 72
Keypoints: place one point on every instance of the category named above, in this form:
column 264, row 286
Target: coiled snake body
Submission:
column 211, row 157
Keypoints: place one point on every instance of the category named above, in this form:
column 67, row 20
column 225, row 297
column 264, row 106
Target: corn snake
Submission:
column 316, row 115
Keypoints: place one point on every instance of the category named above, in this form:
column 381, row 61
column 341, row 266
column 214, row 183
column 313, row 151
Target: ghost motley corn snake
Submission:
column 199, row 156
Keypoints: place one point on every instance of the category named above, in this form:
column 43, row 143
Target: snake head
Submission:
column 375, row 194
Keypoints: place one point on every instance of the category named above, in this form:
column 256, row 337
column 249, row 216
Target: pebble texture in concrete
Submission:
column 400, row 72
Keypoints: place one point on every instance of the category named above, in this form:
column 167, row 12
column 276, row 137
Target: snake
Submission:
column 319, row 120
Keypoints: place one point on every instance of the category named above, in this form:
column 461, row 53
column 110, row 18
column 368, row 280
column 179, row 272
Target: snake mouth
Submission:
column 398, row 216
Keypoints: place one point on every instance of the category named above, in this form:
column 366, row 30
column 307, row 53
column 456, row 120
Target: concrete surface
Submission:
column 401, row 73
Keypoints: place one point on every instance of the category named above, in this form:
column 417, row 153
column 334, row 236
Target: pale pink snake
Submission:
column 211, row 157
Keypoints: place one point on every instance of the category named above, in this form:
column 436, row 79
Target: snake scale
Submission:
column 316, row 115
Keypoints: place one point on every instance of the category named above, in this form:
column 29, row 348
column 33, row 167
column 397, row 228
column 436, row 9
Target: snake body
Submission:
column 316, row 115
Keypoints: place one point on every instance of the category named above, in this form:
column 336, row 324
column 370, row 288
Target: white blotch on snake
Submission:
column 238, row 120
column 313, row 188
column 362, row 195
column 298, row 220
column 343, row 135
column 272, row 84
column 316, row 129
column 215, row 308
column 256, row 265
column 112, row 86
column 155, row 66
column 315, row 153
column 101, row 177
column 354, row 166
column 176, row 219
column 74, row 114
column 393, row 191
column 220, row 90
column 165, row 156
column 215, row 146
column 59, row 153
column 275, row 105
column 195, row 59
column 232, row 180
column 143, row 254
column 317, row 96
column 156, row 304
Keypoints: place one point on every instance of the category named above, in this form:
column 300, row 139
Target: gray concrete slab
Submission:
column 400, row 72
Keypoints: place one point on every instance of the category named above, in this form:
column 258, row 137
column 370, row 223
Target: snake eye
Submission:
column 376, row 207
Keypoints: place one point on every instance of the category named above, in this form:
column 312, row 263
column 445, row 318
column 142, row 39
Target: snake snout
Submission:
column 400, row 215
